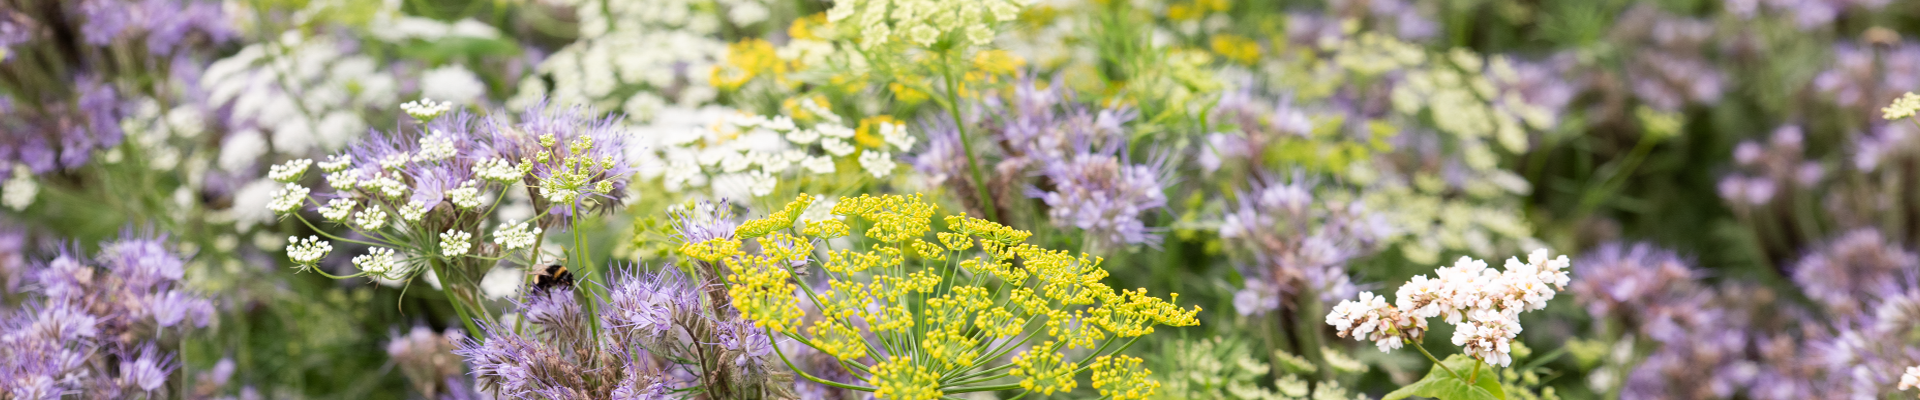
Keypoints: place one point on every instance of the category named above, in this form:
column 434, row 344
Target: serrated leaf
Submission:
column 1440, row 384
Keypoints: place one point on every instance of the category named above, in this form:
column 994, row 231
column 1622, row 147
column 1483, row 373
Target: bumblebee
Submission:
column 554, row 275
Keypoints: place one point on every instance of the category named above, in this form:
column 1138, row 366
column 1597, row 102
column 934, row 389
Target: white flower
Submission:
column 1372, row 319
column 288, row 198
column 426, row 109
column 1911, row 379
column 465, row 197
column 290, row 171
column 818, row 164
column 370, row 218
column 453, row 83
column 834, row 131
column 413, row 211
column 454, row 243
column 512, row 236
column 836, row 147
column 343, row 180
column 395, row 160
column 307, row 251
column 378, row 262
column 897, row 135
column 1488, row 336
column 389, row 187
column 497, row 170
column 878, row 163
column 19, row 189
column 436, row 146
column 1903, row 107
column 337, row 209
column 762, row 184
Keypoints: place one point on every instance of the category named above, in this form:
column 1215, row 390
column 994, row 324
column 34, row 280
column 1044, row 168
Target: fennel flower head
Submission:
column 1483, row 304
column 923, row 22
column 980, row 304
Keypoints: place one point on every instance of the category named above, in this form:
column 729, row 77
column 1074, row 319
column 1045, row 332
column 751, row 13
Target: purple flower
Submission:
column 704, row 221
column 175, row 307
column 1287, row 242
column 147, row 372
column 144, row 262
column 579, row 162
column 1091, row 184
column 105, row 20
column 1649, row 289
column 1845, row 274
column 647, row 303
column 556, row 311
column 169, row 23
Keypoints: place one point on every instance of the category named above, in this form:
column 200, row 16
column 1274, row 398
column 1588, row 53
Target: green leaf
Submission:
column 1440, row 384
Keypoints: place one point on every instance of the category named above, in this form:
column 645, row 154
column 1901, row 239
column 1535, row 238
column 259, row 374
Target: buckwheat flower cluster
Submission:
column 95, row 327
column 923, row 22
column 1482, row 303
column 656, row 337
column 1054, row 300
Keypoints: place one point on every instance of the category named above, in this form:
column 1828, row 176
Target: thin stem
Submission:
column 1423, row 351
column 1475, row 375
column 973, row 164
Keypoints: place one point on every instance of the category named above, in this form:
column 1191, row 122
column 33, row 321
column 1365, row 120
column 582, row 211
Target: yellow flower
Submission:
column 1045, row 371
column 775, row 221
column 746, row 59
column 1122, row 378
column 1236, row 48
column 901, row 378
column 997, row 62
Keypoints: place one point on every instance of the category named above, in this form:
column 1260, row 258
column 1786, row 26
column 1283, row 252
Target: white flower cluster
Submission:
column 497, row 170
column 336, row 163
column 1903, row 107
column 20, row 189
column 288, row 198
column 371, row 218
column 637, row 56
column 1484, row 304
column 290, row 171
column 467, row 196
column 515, row 236
column 413, row 211
column 435, row 147
column 294, row 95
column 454, row 243
column 378, row 262
column 741, row 156
column 307, row 251
column 923, row 22
column 426, row 109
column 337, row 209
column 1910, row 379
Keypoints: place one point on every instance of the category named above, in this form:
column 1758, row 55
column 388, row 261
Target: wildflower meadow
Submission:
column 959, row 199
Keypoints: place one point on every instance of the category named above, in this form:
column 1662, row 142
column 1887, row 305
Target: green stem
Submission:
column 1475, row 375
column 1423, row 351
column 973, row 163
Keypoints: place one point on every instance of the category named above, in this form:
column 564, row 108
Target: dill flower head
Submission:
column 942, row 303
column 922, row 22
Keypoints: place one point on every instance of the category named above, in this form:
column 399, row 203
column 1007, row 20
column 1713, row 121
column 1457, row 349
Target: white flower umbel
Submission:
column 426, row 109
column 388, row 186
column 435, row 147
column 290, row 171
column 466, row 197
column 836, row 147
column 818, row 165
column 454, row 243
column 337, row 210
column 515, row 236
column 20, row 189
column 336, row 163
column 343, row 181
column 1483, row 303
column 288, row 198
column 378, row 262
column 497, row 170
column 897, row 135
column 878, row 163
column 1903, row 107
column 413, row 211
column 395, row 161
column 370, row 218
column 306, row 252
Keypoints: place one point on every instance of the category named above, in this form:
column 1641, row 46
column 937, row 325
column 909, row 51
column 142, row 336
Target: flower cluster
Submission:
column 923, row 22
column 967, row 322
column 95, row 326
column 1483, row 304
column 743, row 156
column 655, row 336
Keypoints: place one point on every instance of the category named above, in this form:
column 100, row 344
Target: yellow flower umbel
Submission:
column 919, row 314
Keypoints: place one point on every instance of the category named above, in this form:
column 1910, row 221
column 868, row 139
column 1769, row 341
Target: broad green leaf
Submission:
column 1440, row 384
